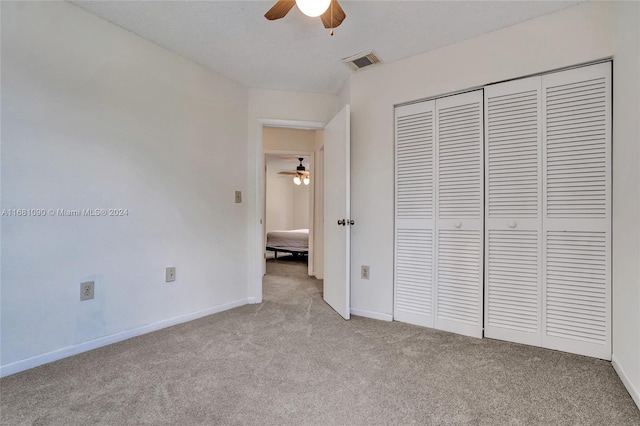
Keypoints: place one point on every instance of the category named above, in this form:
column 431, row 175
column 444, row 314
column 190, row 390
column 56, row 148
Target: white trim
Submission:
column 290, row 124
column 255, row 279
column 35, row 361
column 626, row 381
column 370, row 314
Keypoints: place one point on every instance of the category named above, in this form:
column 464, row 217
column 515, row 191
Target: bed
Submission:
column 295, row 241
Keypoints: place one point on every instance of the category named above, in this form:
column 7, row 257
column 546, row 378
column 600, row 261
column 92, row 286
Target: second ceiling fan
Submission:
column 329, row 11
column 301, row 175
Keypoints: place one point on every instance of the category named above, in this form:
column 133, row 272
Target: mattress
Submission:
column 295, row 239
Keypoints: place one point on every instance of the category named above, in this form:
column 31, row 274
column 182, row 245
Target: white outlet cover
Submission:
column 87, row 290
column 364, row 272
column 170, row 274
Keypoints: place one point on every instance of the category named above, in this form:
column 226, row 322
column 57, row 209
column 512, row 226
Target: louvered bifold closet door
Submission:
column 577, row 212
column 414, row 213
column 513, row 211
column 459, row 213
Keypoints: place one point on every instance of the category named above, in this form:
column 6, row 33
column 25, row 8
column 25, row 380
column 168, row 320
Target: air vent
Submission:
column 361, row 60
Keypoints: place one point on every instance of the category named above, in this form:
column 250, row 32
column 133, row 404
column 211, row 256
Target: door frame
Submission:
column 313, row 175
column 255, row 293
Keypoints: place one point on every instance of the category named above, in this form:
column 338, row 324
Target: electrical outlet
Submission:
column 86, row 290
column 170, row 274
column 238, row 196
column 364, row 272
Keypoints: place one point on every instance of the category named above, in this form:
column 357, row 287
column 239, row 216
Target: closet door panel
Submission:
column 459, row 213
column 577, row 212
column 414, row 205
column 513, row 211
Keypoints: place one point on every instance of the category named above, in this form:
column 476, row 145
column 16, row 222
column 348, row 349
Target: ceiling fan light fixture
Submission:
column 313, row 8
column 297, row 180
column 306, row 180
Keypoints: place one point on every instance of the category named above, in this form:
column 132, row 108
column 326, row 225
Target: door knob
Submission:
column 341, row 222
column 457, row 224
column 352, row 222
column 512, row 224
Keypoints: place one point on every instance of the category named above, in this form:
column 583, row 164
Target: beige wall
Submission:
column 287, row 204
column 344, row 95
column 279, row 201
column 293, row 140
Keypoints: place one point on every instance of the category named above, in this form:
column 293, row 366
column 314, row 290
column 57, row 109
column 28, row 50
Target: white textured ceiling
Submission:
column 297, row 53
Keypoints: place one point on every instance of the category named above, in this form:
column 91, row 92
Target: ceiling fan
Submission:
column 301, row 175
column 329, row 11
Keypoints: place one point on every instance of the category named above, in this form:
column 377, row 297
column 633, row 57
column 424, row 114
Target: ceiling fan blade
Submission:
column 280, row 9
column 294, row 173
column 338, row 15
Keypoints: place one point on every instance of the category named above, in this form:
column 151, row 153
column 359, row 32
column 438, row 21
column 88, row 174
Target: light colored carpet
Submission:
column 292, row 361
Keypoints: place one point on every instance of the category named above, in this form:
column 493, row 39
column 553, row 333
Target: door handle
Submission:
column 351, row 222
column 341, row 222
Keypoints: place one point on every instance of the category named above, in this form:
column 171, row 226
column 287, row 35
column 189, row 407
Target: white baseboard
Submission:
column 371, row 314
column 26, row 364
column 635, row 395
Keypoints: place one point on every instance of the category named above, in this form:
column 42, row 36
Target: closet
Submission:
column 503, row 212
column 439, row 213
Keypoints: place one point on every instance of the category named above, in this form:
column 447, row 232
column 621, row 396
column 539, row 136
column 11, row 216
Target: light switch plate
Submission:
column 364, row 272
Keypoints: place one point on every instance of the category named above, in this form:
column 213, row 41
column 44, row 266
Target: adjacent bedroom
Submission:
column 292, row 203
column 288, row 227
column 287, row 207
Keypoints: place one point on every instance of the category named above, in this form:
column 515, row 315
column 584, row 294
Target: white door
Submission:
column 513, row 211
column 576, row 114
column 459, row 213
column 548, row 212
column 415, row 213
column 337, row 213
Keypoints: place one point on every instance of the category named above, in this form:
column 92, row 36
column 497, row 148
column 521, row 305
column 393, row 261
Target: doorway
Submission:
column 334, row 140
column 289, row 211
column 270, row 141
